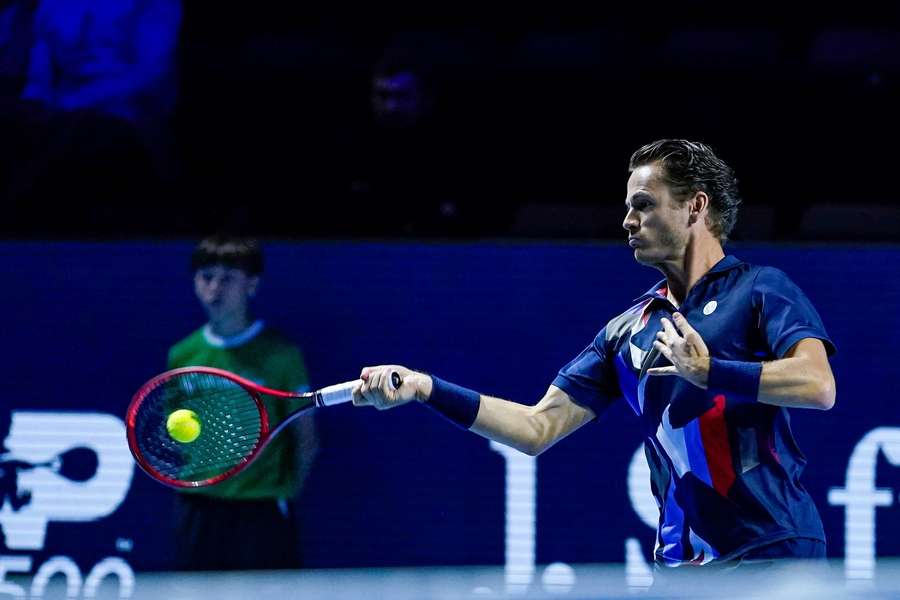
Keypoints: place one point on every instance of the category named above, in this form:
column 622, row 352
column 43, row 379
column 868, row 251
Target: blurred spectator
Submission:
column 99, row 92
column 421, row 163
column 403, row 159
column 16, row 26
column 401, row 92
column 113, row 56
column 396, row 160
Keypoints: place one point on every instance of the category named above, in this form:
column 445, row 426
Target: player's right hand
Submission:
column 377, row 390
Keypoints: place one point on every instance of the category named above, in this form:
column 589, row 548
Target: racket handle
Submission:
column 343, row 392
column 336, row 394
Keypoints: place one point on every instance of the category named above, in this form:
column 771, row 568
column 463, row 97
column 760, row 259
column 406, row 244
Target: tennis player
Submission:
column 710, row 359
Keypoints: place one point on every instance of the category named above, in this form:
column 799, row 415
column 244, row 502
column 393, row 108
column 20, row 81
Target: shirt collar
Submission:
column 658, row 290
column 243, row 337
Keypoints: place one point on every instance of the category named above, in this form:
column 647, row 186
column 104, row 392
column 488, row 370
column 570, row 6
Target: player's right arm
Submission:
column 529, row 429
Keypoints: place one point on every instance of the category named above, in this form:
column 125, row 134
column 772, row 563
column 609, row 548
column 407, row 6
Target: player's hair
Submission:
column 234, row 252
column 691, row 167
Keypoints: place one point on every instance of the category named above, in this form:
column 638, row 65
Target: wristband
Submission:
column 455, row 403
column 735, row 379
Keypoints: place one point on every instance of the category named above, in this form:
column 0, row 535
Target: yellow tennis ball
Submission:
column 183, row 425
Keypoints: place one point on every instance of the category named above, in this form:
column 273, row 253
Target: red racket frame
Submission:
column 253, row 389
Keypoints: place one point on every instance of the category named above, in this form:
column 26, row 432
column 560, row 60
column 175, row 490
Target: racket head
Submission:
column 234, row 426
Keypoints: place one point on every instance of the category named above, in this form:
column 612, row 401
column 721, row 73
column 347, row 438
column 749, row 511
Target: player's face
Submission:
column 223, row 291
column 656, row 222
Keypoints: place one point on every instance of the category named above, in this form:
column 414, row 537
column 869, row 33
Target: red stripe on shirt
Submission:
column 714, row 432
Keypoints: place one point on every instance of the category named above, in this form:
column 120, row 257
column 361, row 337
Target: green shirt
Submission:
column 265, row 357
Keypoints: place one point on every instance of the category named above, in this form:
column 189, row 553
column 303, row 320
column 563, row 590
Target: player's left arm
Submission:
column 801, row 379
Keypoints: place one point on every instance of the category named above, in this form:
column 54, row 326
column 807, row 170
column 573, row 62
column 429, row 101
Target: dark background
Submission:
column 536, row 113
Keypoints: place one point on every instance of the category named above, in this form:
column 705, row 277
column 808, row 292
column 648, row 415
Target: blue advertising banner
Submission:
column 88, row 323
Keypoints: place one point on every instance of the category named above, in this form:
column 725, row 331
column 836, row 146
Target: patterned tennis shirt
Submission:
column 725, row 470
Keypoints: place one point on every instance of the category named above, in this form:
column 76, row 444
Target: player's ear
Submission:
column 699, row 205
column 253, row 286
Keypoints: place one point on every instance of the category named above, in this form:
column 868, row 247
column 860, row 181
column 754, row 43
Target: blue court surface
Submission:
column 792, row 582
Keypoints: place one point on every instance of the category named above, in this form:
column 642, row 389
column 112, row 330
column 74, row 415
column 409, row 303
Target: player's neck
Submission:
column 681, row 275
column 231, row 325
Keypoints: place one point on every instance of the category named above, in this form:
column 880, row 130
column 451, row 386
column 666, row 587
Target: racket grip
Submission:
column 343, row 392
column 336, row 394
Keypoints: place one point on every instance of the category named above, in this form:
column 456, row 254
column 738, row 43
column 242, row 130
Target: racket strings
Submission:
column 230, row 422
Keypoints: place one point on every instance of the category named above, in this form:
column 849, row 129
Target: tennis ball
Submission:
column 183, row 425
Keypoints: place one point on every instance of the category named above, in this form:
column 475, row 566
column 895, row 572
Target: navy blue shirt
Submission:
column 725, row 471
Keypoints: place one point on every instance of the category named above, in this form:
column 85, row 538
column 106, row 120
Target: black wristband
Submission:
column 455, row 403
column 735, row 379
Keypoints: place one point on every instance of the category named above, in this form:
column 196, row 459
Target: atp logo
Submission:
column 58, row 466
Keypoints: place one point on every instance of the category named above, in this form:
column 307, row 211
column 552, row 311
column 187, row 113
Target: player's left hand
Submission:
column 685, row 349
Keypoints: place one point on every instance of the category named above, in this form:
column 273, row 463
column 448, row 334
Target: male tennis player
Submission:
column 709, row 359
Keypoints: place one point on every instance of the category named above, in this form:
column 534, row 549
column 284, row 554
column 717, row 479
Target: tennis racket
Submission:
column 234, row 425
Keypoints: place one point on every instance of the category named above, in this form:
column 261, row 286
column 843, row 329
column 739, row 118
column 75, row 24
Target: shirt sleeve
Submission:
column 590, row 378
column 786, row 314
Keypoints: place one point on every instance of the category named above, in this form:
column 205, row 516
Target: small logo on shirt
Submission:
column 710, row 307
